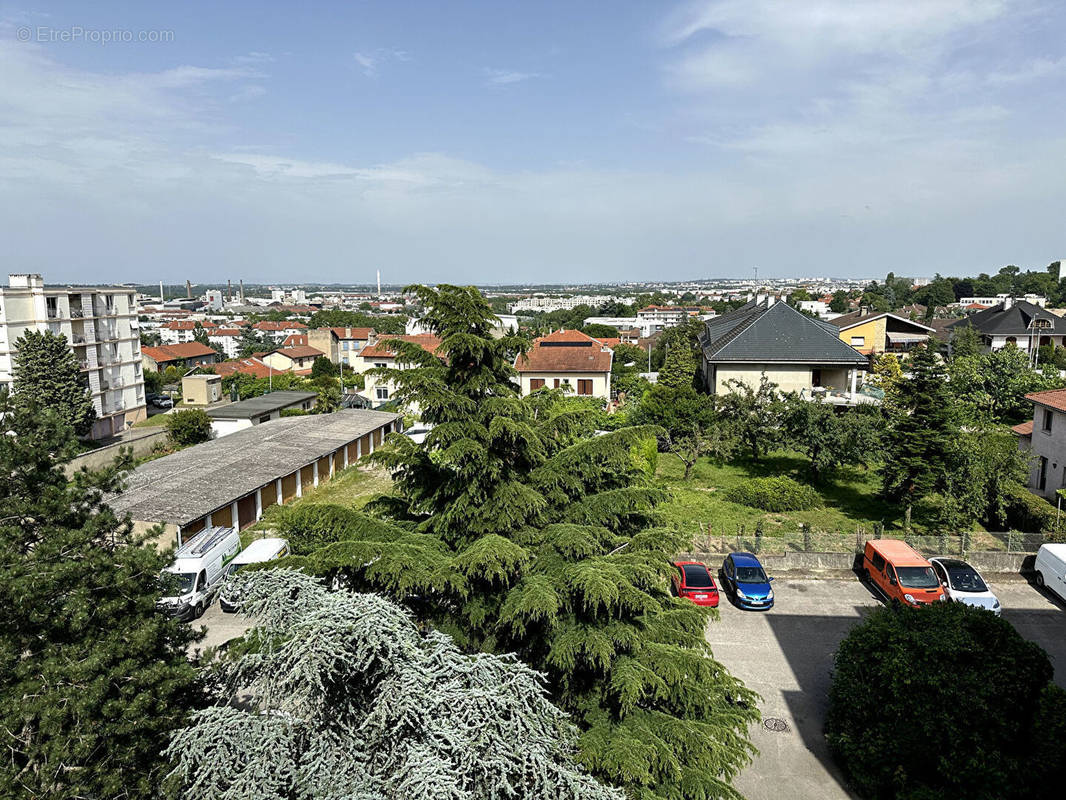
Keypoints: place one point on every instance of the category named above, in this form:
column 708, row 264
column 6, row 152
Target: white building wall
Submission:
column 601, row 382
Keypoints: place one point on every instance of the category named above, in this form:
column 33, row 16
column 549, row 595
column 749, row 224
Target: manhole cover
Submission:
column 775, row 725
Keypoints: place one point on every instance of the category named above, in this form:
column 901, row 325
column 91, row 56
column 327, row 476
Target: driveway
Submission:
column 221, row 628
column 786, row 655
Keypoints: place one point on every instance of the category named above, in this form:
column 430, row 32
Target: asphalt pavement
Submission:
column 786, row 655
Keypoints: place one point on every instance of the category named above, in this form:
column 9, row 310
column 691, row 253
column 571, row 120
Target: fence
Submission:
column 807, row 540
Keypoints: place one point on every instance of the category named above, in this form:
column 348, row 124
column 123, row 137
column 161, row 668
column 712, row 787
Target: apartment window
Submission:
column 584, row 386
column 1041, row 482
column 858, row 341
column 380, row 364
column 536, row 383
column 381, row 394
column 1049, row 417
column 557, row 382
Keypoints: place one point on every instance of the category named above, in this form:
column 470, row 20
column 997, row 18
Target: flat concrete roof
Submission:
column 264, row 404
column 182, row 487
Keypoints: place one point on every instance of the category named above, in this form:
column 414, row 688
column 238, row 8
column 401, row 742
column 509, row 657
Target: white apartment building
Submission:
column 101, row 325
column 542, row 303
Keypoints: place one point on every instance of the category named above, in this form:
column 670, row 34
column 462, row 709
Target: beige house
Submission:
column 568, row 360
column 766, row 337
column 1044, row 438
column 342, row 345
column 292, row 359
column 201, row 390
column 380, row 355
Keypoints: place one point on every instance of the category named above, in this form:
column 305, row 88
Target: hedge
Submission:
column 775, row 494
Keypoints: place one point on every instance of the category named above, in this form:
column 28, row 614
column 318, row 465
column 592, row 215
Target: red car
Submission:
column 693, row 581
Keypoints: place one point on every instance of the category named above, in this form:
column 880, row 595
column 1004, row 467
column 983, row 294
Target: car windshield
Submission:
column 750, row 575
column 697, row 576
column 917, row 577
column 176, row 584
column 964, row 578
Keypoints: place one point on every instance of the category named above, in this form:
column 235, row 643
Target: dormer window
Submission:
column 1041, row 323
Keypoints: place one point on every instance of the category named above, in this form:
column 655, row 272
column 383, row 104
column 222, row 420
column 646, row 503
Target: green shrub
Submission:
column 310, row 526
column 775, row 494
column 1027, row 512
column 190, row 426
column 946, row 701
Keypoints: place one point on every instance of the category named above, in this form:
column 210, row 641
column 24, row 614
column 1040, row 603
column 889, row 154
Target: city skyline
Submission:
column 518, row 144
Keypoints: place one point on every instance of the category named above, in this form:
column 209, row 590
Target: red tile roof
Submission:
column 566, row 351
column 1024, row 428
column 298, row 352
column 266, row 325
column 609, row 342
column 246, row 366
column 353, row 333
column 177, row 352
column 1052, row 398
column 295, row 340
column 381, row 349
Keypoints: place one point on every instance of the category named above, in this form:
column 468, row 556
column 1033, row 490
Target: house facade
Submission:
column 769, row 337
column 380, row 355
column 875, row 333
column 100, row 324
column 571, row 361
column 342, row 345
column 292, row 359
column 1044, row 438
column 1018, row 322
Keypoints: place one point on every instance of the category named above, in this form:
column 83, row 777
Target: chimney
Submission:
column 242, row 291
column 161, row 300
column 188, row 290
column 1008, row 303
column 229, row 291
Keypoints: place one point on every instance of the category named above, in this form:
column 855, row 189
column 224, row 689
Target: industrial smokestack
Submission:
column 229, row 291
column 379, row 284
column 188, row 290
column 161, row 298
column 242, row 291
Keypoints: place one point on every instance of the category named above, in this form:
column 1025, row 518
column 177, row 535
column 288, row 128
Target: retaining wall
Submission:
column 985, row 561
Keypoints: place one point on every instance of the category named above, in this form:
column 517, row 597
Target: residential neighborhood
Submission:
column 533, row 401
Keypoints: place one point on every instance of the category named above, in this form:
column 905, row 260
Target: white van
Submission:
column 199, row 566
column 1051, row 568
column 256, row 553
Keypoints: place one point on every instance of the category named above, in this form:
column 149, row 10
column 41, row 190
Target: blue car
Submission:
column 744, row 579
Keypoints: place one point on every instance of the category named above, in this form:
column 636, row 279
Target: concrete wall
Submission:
column 984, row 561
column 601, row 382
column 789, row 378
column 141, row 444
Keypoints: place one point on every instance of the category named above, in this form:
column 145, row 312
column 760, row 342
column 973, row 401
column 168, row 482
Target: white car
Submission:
column 417, row 433
column 964, row 584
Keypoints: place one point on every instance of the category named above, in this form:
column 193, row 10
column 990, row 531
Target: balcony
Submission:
column 77, row 313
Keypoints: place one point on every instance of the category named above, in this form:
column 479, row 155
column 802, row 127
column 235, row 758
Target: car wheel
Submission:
column 1040, row 579
column 198, row 611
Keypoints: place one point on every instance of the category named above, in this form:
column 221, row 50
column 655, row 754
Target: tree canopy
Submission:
column 350, row 699
column 513, row 530
column 92, row 678
column 47, row 374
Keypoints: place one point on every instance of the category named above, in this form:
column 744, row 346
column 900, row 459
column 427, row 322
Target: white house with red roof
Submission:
column 1044, row 439
column 280, row 331
column 571, row 361
column 379, row 354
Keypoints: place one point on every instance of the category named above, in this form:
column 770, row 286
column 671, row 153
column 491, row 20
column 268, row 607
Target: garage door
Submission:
column 307, row 478
column 246, row 510
column 338, row 461
column 223, row 518
column 288, row 487
column 353, row 452
column 323, row 469
column 268, row 495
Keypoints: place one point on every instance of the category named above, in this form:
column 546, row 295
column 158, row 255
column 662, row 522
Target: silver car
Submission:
column 964, row 584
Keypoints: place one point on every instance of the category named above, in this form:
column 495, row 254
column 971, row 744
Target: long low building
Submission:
column 230, row 481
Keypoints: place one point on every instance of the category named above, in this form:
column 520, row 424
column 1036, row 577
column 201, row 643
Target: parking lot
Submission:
column 786, row 655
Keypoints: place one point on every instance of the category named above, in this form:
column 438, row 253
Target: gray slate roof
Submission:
column 1014, row 321
column 264, row 404
column 755, row 334
column 186, row 485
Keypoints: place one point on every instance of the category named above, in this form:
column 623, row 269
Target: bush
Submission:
column 944, row 701
column 1027, row 512
column 775, row 494
column 310, row 526
column 190, row 426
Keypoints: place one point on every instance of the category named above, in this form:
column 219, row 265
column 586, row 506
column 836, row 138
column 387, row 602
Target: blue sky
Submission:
column 502, row 142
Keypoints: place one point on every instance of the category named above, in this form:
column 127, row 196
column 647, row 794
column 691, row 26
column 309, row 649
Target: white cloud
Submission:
column 371, row 61
column 367, row 62
column 505, row 76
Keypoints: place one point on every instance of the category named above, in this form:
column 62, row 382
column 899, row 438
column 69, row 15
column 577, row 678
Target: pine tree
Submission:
column 513, row 530
column 48, row 374
column 679, row 369
column 917, row 445
column 350, row 700
column 92, row 678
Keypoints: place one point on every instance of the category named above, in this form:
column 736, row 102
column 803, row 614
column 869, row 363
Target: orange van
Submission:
column 900, row 573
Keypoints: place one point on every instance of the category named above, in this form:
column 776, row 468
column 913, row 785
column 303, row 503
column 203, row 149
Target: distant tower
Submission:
column 161, row 300
column 242, row 291
column 379, row 283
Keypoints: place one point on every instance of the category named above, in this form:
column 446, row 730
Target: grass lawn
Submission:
column 850, row 498
column 151, row 422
